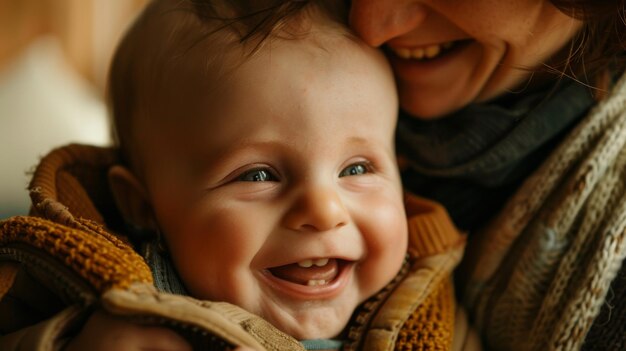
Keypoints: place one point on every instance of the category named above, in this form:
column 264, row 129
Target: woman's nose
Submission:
column 317, row 209
column 378, row 21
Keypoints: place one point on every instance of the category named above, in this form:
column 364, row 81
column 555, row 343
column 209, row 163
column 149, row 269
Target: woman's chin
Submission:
column 427, row 108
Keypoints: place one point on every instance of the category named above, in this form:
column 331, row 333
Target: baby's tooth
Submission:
column 316, row 282
column 305, row 263
column 321, row 262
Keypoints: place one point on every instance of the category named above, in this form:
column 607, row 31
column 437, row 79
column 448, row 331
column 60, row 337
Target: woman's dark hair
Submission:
column 598, row 51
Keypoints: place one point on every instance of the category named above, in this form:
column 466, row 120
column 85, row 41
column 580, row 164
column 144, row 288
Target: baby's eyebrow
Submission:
column 214, row 156
column 372, row 145
column 357, row 140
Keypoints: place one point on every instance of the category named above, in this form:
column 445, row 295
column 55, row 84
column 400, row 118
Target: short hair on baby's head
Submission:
column 227, row 32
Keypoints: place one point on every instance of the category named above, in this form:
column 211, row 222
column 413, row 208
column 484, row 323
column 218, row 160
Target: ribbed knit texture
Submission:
column 67, row 191
column 71, row 182
column 430, row 327
column 99, row 257
column 163, row 272
column 601, row 337
column 431, row 230
column 542, row 269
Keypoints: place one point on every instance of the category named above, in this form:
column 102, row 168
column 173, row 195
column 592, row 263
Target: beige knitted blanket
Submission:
column 539, row 273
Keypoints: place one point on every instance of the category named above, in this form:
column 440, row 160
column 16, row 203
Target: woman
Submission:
column 514, row 117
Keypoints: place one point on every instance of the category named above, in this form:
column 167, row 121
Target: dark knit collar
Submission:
column 472, row 160
column 483, row 142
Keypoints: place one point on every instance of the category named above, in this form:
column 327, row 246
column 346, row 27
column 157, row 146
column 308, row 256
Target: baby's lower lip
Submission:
column 318, row 290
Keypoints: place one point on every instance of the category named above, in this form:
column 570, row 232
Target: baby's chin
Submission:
column 313, row 324
column 308, row 331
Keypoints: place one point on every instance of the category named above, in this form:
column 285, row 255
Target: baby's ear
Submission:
column 131, row 197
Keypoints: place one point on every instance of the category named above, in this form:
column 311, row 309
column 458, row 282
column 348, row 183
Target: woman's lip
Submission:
column 315, row 292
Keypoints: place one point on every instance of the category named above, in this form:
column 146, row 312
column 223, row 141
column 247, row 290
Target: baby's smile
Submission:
column 308, row 272
column 311, row 278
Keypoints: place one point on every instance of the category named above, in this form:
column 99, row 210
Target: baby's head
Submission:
column 267, row 165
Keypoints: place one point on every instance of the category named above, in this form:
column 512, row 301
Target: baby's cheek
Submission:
column 212, row 252
column 386, row 247
column 389, row 233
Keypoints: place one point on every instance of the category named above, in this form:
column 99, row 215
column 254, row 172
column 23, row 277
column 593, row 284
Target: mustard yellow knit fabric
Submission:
column 97, row 256
column 430, row 327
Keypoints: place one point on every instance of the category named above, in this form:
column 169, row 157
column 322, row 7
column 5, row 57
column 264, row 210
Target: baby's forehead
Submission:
column 174, row 57
column 188, row 58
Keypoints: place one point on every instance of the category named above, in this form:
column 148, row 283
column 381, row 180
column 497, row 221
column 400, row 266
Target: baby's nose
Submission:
column 316, row 210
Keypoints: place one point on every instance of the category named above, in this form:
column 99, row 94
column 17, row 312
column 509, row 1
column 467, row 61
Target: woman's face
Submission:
column 449, row 53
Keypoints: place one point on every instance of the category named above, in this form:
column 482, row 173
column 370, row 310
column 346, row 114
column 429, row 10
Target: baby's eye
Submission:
column 257, row 175
column 355, row 169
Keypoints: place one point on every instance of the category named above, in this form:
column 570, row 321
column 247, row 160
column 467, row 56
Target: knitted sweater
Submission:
column 545, row 269
column 74, row 256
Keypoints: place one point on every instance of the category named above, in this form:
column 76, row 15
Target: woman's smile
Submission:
column 425, row 52
column 448, row 54
column 427, row 62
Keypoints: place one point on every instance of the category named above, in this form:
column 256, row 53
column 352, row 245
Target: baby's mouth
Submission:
column 309, row 272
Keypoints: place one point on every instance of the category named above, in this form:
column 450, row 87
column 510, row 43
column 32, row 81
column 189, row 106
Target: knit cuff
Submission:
column 431, row 231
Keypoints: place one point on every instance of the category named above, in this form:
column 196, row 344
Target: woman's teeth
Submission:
column 424, row 52
column 320, row 262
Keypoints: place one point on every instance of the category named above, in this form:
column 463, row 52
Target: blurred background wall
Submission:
column 54, row 58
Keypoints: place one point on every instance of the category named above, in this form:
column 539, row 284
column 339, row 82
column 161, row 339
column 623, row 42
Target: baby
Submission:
column 263, row 158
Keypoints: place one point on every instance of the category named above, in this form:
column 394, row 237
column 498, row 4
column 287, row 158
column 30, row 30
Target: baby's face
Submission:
column 278, row 191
